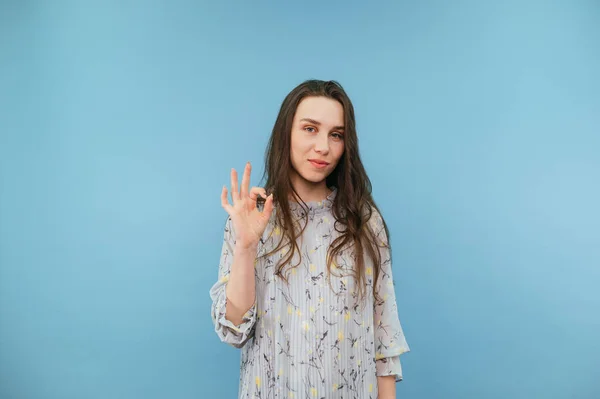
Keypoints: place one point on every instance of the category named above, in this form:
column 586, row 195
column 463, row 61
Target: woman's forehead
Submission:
column 323, row 110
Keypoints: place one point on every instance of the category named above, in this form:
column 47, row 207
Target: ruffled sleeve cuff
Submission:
column 389, row 366
column 235, row 335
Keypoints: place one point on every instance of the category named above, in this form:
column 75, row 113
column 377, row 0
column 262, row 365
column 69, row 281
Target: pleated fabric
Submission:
column 312, row 337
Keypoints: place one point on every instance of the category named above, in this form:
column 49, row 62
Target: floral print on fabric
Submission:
column 312, row 338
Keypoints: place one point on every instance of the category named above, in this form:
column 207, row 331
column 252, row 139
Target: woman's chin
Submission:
column 314, row 178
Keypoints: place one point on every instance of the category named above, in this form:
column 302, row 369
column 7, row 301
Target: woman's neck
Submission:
column 312, row 194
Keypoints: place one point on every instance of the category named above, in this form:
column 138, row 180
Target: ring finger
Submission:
column 235, row 194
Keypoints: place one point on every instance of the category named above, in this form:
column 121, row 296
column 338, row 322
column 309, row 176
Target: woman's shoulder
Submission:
column 372, row 215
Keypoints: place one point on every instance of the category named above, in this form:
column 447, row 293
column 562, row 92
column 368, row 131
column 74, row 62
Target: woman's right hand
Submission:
column 249, row 223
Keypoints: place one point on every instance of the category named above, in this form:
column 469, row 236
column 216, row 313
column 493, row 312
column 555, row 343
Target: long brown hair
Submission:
column 353, row 204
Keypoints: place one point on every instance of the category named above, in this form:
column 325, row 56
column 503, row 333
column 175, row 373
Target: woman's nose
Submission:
column 322, row 144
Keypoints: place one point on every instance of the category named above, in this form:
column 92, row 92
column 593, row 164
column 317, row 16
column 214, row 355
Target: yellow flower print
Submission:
column 313, row 391
column 258, row 382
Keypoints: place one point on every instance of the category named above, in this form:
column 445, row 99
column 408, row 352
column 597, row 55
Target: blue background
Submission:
column 119, row 121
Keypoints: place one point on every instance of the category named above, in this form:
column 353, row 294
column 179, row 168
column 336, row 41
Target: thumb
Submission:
column 268, row 208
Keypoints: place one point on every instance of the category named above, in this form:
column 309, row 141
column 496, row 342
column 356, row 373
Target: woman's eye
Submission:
column 310, row 129
column 338, row 136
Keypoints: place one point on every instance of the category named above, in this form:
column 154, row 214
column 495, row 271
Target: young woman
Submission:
column 305, row 282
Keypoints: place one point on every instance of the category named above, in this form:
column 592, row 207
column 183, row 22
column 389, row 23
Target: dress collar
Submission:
column 313, row 207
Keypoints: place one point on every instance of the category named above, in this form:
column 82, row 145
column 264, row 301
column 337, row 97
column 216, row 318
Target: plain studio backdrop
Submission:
column 479, row 125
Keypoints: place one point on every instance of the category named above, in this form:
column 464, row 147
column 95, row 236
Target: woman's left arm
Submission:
column 386, row 387
column 390, row 342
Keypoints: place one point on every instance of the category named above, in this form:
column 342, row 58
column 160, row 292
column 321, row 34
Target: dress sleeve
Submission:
column 235, row 335
column 390, row 342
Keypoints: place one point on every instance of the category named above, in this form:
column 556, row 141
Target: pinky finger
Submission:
column 225, row 202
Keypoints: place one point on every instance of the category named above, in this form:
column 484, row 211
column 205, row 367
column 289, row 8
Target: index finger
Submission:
column 246, row 181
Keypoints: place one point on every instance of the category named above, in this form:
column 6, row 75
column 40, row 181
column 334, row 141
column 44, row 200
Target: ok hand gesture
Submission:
column 249, row 223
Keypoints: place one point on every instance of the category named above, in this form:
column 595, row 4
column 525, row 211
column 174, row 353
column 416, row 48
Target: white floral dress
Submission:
column 303, row 339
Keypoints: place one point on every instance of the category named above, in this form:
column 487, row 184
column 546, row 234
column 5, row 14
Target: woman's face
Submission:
column 317, row 140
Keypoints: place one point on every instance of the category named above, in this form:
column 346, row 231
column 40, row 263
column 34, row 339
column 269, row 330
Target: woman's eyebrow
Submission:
column 315, row 122
column 309, row 120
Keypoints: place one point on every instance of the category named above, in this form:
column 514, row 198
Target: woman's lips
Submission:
column 317, row 164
